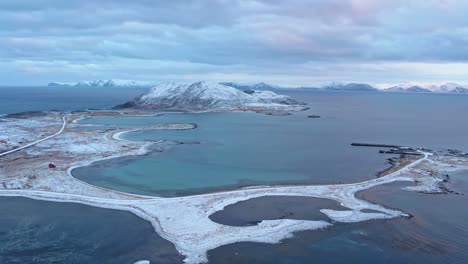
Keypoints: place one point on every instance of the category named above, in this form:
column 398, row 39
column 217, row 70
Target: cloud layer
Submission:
column 289, row 42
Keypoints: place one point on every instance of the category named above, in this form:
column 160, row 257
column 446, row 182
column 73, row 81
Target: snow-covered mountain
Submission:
column 349, row 87
column 104, row 83
column 412, row 89
column 255, row 86
column 58, row 84
column 460, row 90
column 446, row 87
column 334, row 86
column 205, row 96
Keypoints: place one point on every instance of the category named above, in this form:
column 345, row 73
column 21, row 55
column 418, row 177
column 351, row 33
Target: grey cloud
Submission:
column 230, row 35
column 45, row 14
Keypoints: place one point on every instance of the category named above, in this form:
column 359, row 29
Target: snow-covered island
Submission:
column 206, row 96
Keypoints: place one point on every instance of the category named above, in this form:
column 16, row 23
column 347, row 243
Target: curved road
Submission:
column 64, row 125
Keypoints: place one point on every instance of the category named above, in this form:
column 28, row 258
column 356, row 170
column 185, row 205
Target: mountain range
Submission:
column 447, row 87
column 104, row 83
column 364, row 87
column 410, row 87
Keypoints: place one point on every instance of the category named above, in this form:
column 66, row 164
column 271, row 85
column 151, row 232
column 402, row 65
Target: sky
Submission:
column 293, row 42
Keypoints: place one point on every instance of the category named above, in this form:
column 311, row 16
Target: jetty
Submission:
column 375, row 145
column 400, row 152
column 392, row 149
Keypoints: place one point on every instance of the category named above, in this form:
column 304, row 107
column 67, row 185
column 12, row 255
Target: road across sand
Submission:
column 64, row 125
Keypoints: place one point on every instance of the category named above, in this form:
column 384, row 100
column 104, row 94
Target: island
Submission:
column 212, row 97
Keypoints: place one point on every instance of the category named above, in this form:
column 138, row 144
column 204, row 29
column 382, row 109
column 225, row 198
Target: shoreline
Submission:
column 193, row 233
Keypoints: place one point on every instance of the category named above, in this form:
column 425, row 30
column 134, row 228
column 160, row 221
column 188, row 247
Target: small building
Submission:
column 52, row 166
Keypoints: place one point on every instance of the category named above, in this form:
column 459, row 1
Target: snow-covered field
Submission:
column 17, row 132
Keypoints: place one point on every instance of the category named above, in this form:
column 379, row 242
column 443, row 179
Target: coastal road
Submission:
column 64, row 125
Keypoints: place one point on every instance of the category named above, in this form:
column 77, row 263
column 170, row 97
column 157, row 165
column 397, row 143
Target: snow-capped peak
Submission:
column 210, row 96
column 106, row 83
column 201, row 90
column 253, row 86
column 435, row 87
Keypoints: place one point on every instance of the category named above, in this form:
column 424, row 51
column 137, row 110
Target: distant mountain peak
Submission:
column 104, row 83
column 413, row 87
column 350, row 87
column 255, row 86
column 443, row 87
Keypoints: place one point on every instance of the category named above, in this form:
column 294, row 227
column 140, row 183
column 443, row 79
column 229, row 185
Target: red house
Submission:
column 52, row 166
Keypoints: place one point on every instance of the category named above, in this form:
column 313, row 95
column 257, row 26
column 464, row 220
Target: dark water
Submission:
column 253, row 211
column 437, row 233
column 47, row 232
column 21, row 99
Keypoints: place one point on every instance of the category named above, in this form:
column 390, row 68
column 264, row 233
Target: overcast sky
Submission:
column 293, row 42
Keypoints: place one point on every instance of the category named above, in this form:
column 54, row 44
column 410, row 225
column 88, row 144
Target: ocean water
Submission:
column 22, row 99
column 47, row 232
column 242, row 149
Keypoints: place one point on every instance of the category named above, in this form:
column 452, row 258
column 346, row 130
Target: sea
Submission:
column 232, row 150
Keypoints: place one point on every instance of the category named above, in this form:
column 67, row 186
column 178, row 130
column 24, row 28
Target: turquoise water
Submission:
column 240, row 149
column 236, row 149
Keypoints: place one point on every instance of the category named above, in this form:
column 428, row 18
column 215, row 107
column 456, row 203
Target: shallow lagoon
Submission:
column 241, row 149
column 236, row 149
